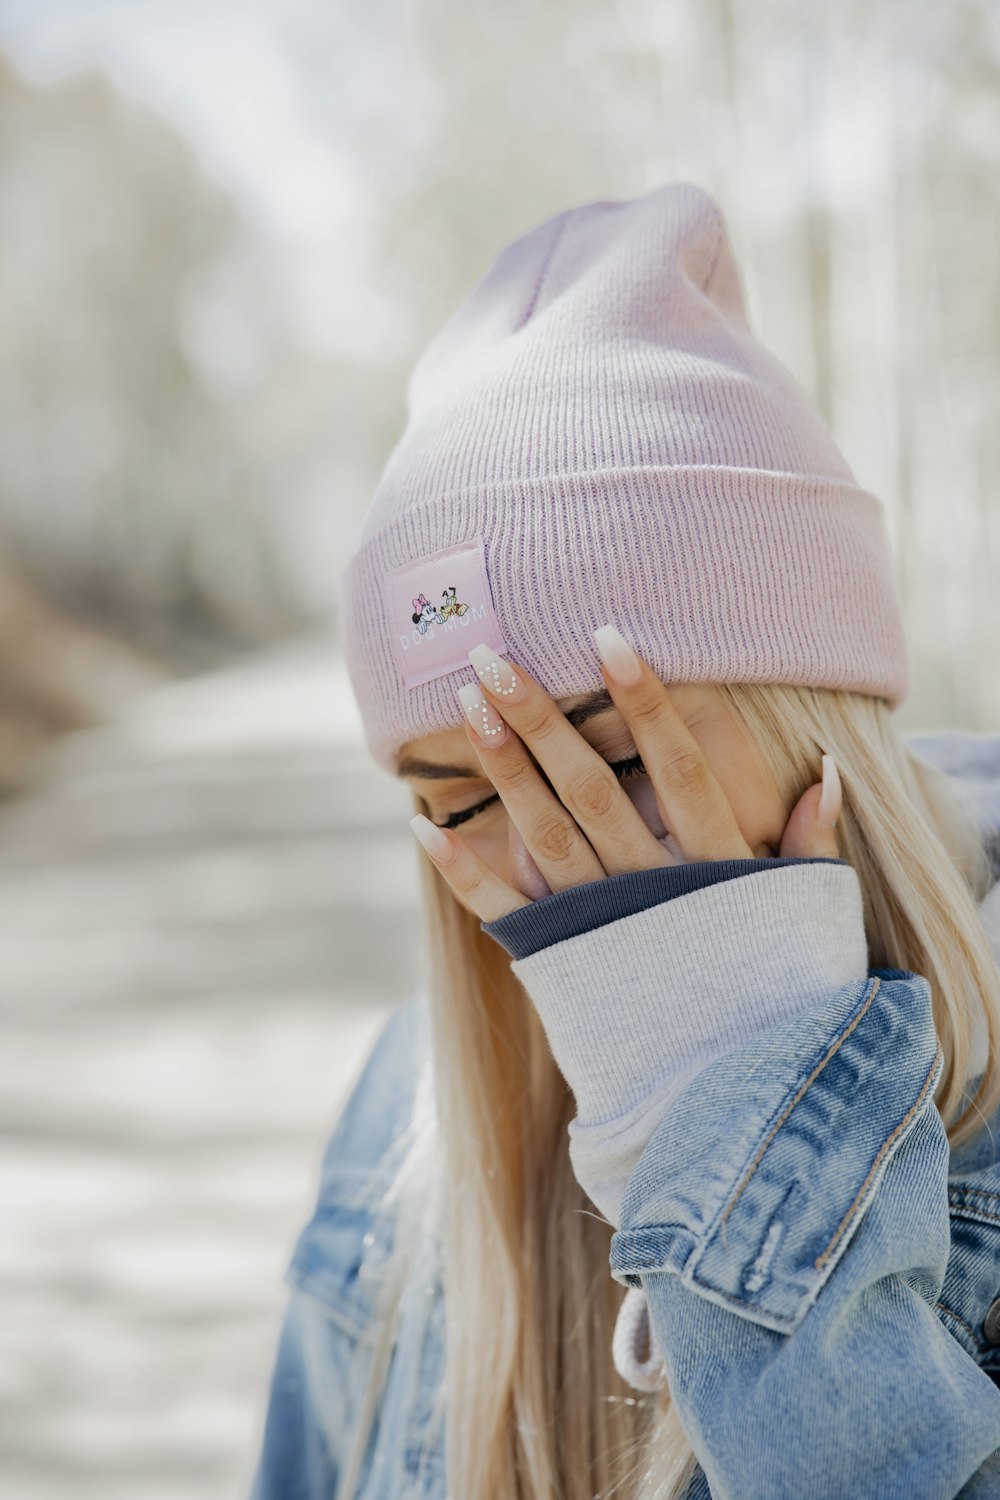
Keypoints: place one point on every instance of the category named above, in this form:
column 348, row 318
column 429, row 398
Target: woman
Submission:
column 654, row 1186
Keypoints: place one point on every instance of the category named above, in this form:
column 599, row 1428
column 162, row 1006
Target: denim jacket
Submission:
column 821, row 1272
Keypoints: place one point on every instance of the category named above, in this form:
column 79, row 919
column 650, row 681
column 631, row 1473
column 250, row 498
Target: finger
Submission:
column 692, row 804
column 583, row 783
column 552, row 838
column 809, row 832
column 469, row 876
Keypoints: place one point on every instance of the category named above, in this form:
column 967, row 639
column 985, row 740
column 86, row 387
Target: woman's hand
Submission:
column 575, row 817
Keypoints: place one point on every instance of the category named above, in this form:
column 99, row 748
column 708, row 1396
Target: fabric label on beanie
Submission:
column 437, row 609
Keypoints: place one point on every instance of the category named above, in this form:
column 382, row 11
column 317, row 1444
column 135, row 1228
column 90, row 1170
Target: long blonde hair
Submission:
column 534, row 1409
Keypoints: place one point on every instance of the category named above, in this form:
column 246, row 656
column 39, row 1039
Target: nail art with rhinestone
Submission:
column 483, row 716
column 498, row 674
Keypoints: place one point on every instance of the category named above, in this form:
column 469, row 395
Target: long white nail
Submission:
column 831, row 797
column 617, row 655
column 437, row 843
column 488, row 663
column 484, row 718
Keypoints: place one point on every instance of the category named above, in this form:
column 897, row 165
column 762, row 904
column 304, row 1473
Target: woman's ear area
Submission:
column 738, row 761
column 802, row 781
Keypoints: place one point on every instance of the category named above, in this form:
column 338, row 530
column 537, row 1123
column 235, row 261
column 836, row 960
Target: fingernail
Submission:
column 617, row 655
column 498, row 675
column 434, row 839
column 831, row 797
column 484, row 718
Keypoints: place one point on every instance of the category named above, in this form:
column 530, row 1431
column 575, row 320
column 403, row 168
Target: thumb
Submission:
column 809, row 832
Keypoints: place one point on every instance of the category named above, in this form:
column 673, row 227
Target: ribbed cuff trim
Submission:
column 631, row 1003
column 580, row 908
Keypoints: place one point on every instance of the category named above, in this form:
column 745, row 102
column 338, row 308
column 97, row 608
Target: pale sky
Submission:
column 270, row 93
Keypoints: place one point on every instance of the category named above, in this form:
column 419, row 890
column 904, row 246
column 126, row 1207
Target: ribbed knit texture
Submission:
column 634, row 1009
column 599, row 417
column 580, row 908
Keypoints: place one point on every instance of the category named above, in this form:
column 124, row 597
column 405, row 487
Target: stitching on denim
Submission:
column 882, row 1150
column 761, row 1266
column 952, row 1314
column 791, row 1105
column 958, row 1191
column 786, row 1319
column 980, row 1213
column 346, row 1316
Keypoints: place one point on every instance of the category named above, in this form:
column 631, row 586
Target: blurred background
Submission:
column 226, row 232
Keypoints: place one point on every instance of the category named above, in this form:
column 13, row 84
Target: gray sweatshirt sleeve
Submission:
column 635, row 1008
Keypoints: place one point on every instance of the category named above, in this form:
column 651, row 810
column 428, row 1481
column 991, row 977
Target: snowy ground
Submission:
column 194, row 907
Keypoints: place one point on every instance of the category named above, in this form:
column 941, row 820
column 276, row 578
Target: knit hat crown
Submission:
column 595, row 434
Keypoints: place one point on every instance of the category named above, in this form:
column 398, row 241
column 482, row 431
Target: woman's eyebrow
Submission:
column 411, row 766
column 594, row 703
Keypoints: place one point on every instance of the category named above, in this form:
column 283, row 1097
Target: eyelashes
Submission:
column 631, row 766
column 469, row 812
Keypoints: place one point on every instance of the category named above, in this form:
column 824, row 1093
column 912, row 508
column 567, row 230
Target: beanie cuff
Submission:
column 714, row 573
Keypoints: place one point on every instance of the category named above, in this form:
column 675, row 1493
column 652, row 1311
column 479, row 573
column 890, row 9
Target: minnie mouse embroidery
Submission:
column 426, row 614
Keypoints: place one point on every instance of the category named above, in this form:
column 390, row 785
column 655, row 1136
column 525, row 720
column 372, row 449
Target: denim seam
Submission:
column 952, row 1314
column 914, row 1108
column 351, row 1323
column 865, row 1005
column 958, row 1191
column 730, row 1298
column 972, row 1214
column 856, row 1019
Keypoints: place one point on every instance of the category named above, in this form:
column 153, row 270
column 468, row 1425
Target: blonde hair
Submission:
column 534, row 1408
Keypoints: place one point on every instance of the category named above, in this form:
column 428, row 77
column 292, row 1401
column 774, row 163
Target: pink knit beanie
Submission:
column 595, row 435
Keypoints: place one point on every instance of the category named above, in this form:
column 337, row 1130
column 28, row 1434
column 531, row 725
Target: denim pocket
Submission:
column 340, row 1255
column 340, row 1261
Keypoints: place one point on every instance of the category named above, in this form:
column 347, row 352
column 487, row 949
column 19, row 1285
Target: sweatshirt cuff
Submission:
column 580, row 908
column 635, row 1009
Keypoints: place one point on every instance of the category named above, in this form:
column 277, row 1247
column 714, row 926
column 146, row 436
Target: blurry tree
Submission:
column 126, row 490
column 56, row 674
